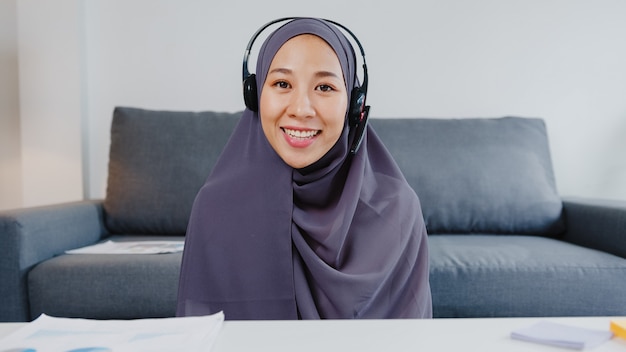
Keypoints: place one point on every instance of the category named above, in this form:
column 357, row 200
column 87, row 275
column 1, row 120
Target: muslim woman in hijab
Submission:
column 301, row 218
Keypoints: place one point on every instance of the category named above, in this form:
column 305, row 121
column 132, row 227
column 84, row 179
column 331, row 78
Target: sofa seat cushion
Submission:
column 105, row 286
column 478, row 175
column 489, row 276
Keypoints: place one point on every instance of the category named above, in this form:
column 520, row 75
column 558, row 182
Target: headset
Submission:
column 358, row 112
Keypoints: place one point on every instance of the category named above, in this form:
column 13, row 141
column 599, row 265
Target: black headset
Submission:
column 358, row 111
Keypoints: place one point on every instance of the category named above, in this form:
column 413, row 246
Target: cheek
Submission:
column 265, row 104
column 268, row 109
column 337, row 118
column 266, row 116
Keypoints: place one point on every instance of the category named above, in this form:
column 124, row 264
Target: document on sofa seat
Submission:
column 71, row 334
column 131, row 247
column 560, row 335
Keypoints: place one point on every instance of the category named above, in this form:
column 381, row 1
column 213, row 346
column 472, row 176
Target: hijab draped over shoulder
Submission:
column 341, row 238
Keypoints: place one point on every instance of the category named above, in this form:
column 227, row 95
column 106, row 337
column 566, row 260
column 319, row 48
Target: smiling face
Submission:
column 303, row 101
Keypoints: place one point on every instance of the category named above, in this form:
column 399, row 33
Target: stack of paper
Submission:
column 65, row 334
column 131, row 247
column 562, row 335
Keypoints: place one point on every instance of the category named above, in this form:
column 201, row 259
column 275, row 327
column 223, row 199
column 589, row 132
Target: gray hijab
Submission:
column 341, row 238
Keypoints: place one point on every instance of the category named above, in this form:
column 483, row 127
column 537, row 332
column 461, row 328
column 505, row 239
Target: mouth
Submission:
column 301, row 134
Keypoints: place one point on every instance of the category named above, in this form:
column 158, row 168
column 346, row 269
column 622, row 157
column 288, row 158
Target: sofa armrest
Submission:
column 597, row 224
column 29, row 236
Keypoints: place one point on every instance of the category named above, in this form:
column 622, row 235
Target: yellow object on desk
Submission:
column 618, row 327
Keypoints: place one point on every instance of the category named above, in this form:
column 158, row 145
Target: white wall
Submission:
column 562, row 60
column 51, row 101
column 10, row 165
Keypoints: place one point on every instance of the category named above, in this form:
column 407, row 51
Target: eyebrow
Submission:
column 318, row 74
column 280, row 70
column 326, row 74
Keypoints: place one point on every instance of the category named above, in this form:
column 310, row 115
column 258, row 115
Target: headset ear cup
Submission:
column 249, row 93
column 357, row 104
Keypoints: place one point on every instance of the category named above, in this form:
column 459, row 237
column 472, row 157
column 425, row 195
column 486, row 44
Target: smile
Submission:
column 301, row 134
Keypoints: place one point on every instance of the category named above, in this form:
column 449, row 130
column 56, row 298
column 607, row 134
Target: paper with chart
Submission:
column 86, row 335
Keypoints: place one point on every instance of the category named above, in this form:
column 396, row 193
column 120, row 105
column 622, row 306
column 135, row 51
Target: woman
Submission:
column 292, row 225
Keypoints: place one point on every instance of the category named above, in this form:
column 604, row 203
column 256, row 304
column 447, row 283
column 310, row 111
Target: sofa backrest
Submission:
column 158, row 161
column 478, row 175
column 471, row 175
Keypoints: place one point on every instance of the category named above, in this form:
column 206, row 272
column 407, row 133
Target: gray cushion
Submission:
column 106, row 286
column 158, row 161
column 478, row 175
column 507, row 276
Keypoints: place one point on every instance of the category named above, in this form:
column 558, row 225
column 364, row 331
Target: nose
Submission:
column 300, row 104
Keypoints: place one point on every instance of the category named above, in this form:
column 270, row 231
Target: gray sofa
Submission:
column 502, row 242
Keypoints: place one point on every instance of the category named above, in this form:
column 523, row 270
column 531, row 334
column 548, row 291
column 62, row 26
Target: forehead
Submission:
column 306, row 47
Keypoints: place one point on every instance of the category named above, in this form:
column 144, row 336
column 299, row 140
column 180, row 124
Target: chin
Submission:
column 296, row 162
column 298, row 165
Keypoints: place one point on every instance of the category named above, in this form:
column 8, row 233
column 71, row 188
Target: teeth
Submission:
column 300, row 134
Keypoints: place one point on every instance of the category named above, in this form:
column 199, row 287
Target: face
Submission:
column 303, row 101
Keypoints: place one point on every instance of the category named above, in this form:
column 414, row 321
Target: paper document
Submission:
column 67, row 334
column 131, row 247
column 562, row 335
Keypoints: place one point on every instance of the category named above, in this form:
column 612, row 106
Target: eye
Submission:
column 281, row 84
column 325, row 88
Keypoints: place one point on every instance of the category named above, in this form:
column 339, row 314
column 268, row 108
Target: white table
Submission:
column 387, row 335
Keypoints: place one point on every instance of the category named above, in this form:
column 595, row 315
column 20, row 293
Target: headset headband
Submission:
column 246, row 56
